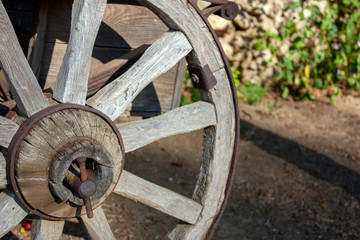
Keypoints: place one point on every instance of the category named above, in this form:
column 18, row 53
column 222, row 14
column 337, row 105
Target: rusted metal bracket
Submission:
column 222, row 8
column 202, row 77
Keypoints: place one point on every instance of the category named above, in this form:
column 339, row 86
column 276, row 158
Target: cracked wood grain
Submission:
column 7, row 129
column 11, row 212
column 3, row 180
column 71, row 83
column 179, row 120
column 63, row 136
column 158, row 197
column 162, row 55
column 97, row 227
column 23, row 83
column 37, row 41
column 42, row 229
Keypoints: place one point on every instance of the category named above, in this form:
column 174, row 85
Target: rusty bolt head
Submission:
column 230, row 10
column 195, row 78
column 85, row 188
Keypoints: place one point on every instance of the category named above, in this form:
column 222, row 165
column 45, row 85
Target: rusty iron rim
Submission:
column 13, row 150
column 232, row 170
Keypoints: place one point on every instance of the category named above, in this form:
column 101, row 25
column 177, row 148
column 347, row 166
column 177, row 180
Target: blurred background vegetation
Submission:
column 293, row 49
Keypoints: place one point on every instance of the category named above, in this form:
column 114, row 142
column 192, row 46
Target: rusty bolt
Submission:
column 195, row 78
column 86, row 187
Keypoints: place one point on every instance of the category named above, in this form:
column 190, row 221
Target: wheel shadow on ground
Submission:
column 314, row 163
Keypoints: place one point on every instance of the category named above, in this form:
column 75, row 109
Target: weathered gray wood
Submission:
column 162, row 55
column 179, row 120
column 53, row 58
column 71, row 83
column 42, row 229
column 153, row 99
column 124, row 24
column 5, row 87
column 3, row 180
column 219, row 140
column 157, row 197
column 37, row 41
column 22, row 81
column 97, row 227
column 179, row 82
column 11, row 212
column 100, row 75
column 7, row 130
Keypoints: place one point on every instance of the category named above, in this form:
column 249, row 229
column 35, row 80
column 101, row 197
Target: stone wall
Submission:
column 256, row 17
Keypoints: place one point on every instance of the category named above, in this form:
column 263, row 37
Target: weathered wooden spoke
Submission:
column 42, row 229
column 23, row 84
column 100, row 75
column 157, row 197
column 71, row 83
column 3, row 180
column 97, row 227
column 180, row 120
column 11, row 212
column 7, row 129
column 162, row 55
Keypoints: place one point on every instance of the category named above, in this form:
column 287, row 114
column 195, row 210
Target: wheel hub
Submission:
column 58, row 161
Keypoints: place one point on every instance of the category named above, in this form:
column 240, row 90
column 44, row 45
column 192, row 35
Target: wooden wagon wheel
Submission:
column 55, row 144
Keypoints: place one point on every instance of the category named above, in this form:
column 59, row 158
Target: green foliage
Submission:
column 250, row 93
column 189, row 93
column 237, row 76
column 247, row 92
column 324, row 53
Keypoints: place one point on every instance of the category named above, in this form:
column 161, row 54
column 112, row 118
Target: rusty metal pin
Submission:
column 88, row 207
column 86, row 187
column 82, row 165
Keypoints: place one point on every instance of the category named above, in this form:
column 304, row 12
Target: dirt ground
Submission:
column 298, row 176
column 298, row 173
